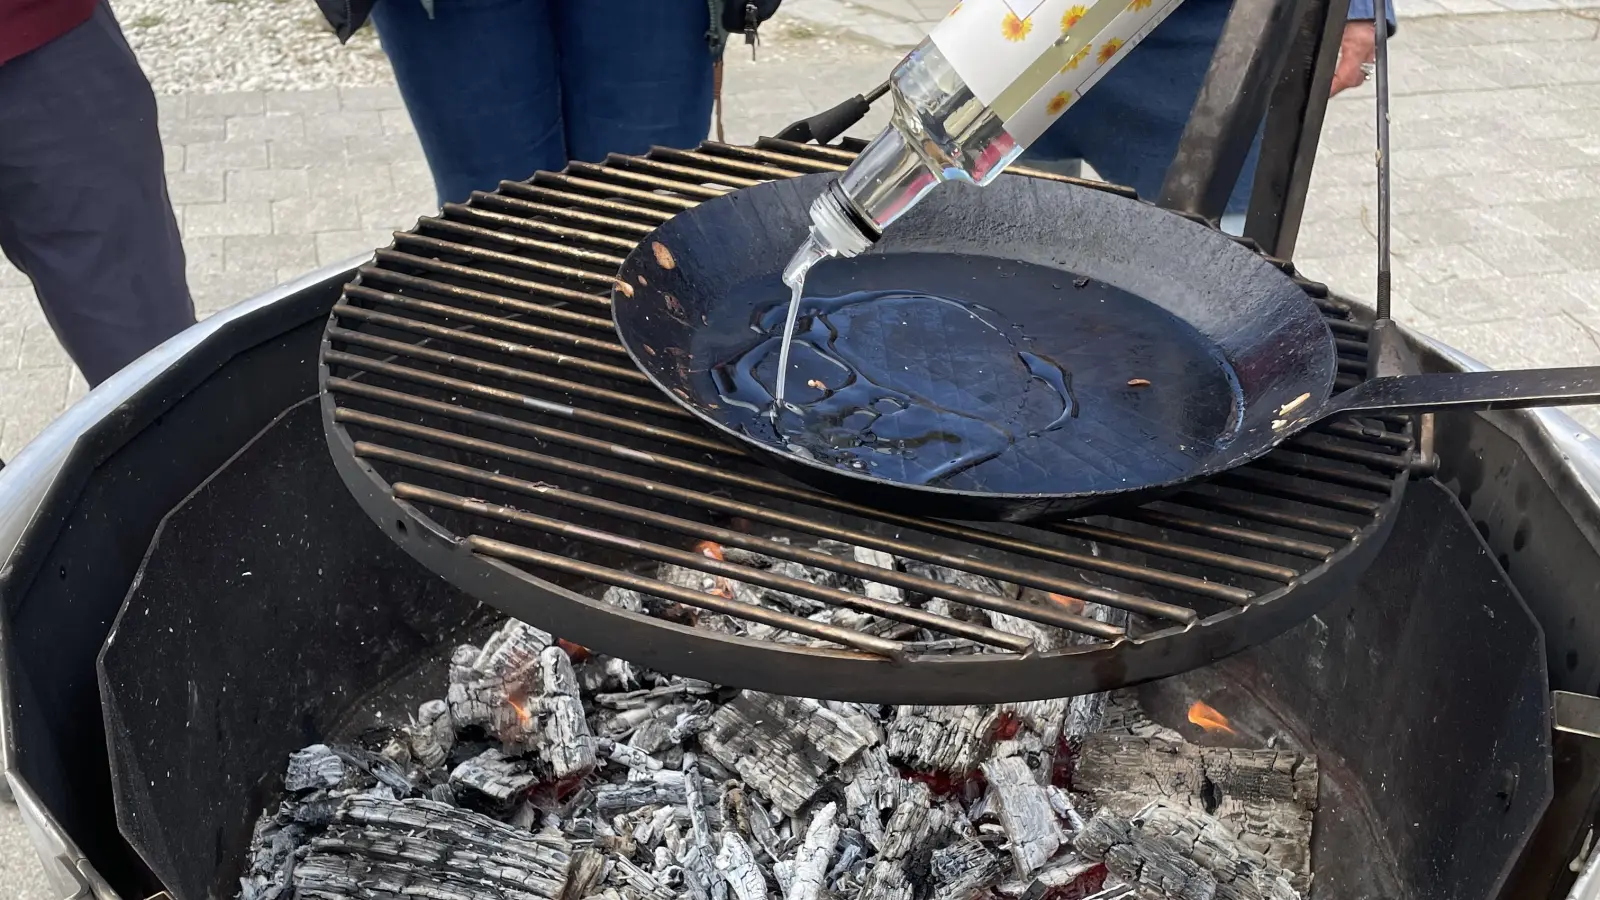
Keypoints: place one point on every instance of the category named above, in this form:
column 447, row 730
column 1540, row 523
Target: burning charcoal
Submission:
column 514, row 647
column 631, row 601
column 699, row 858
column 432, row 734
column 1124, row 716
column 626, row 755
column 656, row 788
column 811, row 860
column 584, row 873
column 1025, row 812
column 1068, row 875
column 882, row 560
column 965, row 870
column 564, row 742
column 764, row 739
column 911, row 824
column 270, row 872
column 1265, row 798
column 1182, row 854
column 852, row 846
column 378, row 767
column 604, row 674
column 498, row 778
column 317, row 766
column 690, row 722
column 886, row 881
column 1066, row 811
column 952, row 739
column 644, row 883
column 738, row 867
column 421, row 848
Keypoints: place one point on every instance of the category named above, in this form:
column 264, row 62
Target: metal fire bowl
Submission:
column 479, row 411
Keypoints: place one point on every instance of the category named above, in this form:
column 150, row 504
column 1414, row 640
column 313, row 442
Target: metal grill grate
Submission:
column 482, row 410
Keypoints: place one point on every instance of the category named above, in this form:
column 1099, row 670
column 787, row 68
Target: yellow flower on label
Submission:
column 1059, row 103
column 1073, row 16
column 1015, row 29
column 1137, row 5
column 1078, row 57
column 954, row 11
column 1109, row 49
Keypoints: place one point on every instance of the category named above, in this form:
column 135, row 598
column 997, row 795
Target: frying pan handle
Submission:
column 1471, row 391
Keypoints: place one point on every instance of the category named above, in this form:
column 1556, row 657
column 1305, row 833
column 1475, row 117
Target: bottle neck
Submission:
column 885, row 181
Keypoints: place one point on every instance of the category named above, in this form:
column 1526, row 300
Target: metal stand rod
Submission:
column 1383, row 342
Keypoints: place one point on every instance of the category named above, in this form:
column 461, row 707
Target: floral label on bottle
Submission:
column 1028, row 61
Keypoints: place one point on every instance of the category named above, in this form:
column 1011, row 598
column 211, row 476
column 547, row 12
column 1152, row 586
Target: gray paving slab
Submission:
column 1497, row 173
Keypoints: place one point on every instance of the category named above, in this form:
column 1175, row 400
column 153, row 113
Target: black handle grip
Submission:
column 1471, row 391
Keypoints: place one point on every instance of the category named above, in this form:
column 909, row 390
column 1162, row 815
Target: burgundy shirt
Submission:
column 27, row 25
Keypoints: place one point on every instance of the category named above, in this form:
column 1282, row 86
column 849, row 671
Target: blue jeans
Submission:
column 1128, row 126
column 500, row 89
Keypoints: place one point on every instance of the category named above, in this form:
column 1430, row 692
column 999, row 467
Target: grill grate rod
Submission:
column 945, row 529
column 845, row 637
column 1265, row 541
column 1148, row 606
column 1312, row 524
column 563, row 338
column 482, row 276
column 565, row 360
column 534, row 192
column 732, row 538
column 700, row 562
column 523, row 401
column 439, row 245
column 478, row 367
column 454, row 211
column 1166, row 548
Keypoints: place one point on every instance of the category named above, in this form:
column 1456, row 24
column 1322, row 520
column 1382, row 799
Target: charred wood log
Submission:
column 1024, row 810
column 585, row 871
column 784, row 757
column 498, row 779
column 816, row 851
column 1265, row 798
column 739, row 869
column 317, row 766
column 965, row 870
column 941, row 738
column 433, row 734
column 382, row 849
column 564, row 742
column 1182, row 854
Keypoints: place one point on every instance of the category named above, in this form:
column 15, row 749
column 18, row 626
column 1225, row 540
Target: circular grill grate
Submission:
column 482, row 411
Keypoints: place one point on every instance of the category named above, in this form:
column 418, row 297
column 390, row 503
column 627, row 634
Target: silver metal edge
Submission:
column 27, row 480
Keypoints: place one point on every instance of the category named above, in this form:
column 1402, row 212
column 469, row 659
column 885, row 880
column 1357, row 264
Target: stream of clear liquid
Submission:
column 813, row 251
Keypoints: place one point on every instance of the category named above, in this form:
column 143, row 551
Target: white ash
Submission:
column 618, row 783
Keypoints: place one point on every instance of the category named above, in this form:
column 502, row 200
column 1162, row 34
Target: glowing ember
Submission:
column 522, row 712
column 1203, row 715
column 1071, row 604
column 575, row 652
column 719, row 586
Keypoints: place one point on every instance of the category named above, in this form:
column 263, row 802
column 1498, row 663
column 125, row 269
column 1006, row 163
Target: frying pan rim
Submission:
column 643, row 252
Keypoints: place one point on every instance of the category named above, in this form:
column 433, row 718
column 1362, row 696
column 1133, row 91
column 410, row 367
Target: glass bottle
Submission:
column 988, row 80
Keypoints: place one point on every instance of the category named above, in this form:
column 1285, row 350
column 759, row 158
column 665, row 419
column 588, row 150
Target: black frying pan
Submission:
column 1027, row 350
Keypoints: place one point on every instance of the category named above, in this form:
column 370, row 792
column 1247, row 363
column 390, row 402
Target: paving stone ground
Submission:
column 1496, row 127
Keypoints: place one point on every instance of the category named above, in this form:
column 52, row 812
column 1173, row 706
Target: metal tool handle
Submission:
column 829, row 124
column 1470, row 391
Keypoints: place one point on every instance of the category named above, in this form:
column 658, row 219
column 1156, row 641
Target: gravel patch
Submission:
column 226, row 46
column 219, row 46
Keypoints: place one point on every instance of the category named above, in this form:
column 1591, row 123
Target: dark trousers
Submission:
column 500, row 89
column 84, row 211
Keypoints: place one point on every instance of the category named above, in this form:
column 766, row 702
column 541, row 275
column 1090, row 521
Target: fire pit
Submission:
column 266, row 614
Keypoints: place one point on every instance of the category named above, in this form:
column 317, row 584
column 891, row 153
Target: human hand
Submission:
column 1355, row 49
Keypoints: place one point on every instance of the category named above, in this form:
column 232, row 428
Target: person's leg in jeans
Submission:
column 480, row 80
column 634, row 73
column 1129, row 124
column 84, row 211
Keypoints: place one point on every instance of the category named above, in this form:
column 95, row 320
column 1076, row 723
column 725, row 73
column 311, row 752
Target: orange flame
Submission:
column 713, row 550
column 1070, row 604
column 1203, row 715
column 575, row 652
column 522, row 712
